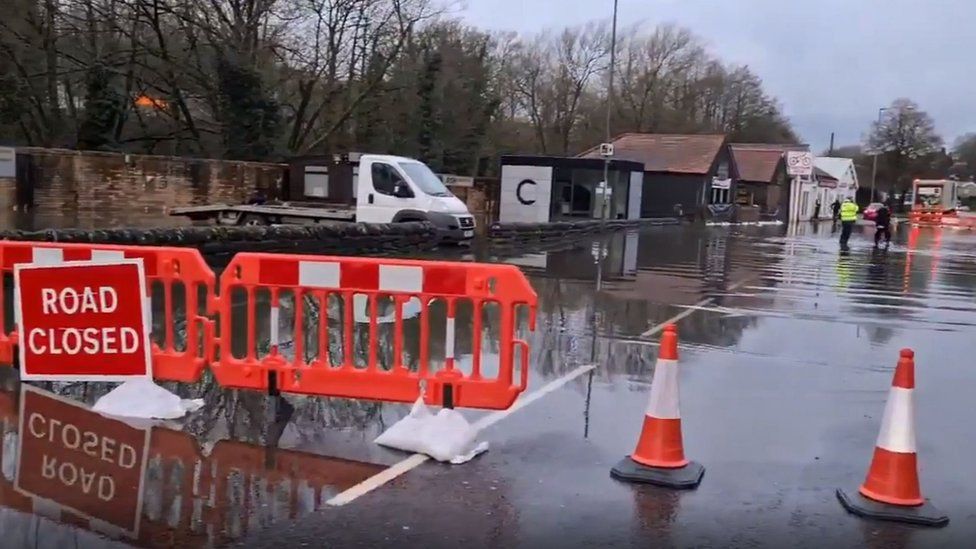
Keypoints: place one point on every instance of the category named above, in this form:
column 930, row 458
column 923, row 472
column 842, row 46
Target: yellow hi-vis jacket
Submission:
column 848, row 211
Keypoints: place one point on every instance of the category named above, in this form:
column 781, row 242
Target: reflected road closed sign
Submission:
column 82, row 321
column 91, row 465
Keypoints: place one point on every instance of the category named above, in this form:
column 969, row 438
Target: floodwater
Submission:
column 787, row 350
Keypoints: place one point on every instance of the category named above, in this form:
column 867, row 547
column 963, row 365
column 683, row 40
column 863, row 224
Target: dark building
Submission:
column 762, row 187
column 760, row 183
column 680, row 171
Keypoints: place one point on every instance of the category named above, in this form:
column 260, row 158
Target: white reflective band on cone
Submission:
column 663, row 403
column 898, row 424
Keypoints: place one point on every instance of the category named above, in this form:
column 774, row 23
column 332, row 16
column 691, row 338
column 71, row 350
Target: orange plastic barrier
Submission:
column 922, row 217
column 366, row 281
column 166, row 269
column 182, row 287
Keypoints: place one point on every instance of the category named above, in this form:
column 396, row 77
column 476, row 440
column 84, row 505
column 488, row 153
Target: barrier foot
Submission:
column 448, row 401
column 273, row 384
column 923, row 515
column 684, row 478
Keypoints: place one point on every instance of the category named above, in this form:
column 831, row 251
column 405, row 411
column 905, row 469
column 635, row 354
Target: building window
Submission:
column 317, row 181
column 723, row 171
column 720, row 196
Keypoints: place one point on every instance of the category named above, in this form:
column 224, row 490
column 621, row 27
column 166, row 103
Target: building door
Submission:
column 805, row 205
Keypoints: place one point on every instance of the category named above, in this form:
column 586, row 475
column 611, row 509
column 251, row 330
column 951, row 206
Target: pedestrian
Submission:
column 848, row 216
column 835, row 209
column 816, row 210
column 882, row 224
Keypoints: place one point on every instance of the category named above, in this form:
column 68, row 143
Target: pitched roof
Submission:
column 659, row 152
column 756, row 163
column 835, row 167
column 823, row 174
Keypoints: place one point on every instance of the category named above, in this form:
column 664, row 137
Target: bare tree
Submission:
column 904, row 135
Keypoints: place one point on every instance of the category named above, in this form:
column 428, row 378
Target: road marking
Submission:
column 495, row 417
column 691, row 309
column 414, row 461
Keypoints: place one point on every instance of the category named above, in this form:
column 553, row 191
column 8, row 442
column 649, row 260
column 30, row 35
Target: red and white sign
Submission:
column 82, row 321
column 86, row 463
column 799, row 163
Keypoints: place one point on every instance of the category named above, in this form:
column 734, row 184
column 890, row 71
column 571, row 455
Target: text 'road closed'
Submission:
column 82, row 321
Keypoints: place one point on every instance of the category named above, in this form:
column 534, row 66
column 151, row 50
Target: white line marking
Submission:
column 414, row 461
column 553, row 385
column 377, row 480
column 690, row 310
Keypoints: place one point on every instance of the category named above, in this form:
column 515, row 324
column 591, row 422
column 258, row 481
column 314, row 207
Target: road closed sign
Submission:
column 82, row 321
column 86, row 463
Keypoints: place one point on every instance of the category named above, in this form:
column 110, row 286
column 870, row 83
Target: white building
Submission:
column 836, row 179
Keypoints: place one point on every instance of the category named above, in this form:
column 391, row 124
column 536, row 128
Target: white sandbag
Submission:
column 445, row 436
column 142, row 398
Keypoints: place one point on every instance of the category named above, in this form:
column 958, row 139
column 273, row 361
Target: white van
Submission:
column 392, row 189
column 388, row 189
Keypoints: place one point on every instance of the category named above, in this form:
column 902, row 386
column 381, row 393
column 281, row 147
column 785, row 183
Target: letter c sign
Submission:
column 518, row 192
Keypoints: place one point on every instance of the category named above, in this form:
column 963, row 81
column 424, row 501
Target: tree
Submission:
column 905, row 140
column 102, row 111
column 964, row 153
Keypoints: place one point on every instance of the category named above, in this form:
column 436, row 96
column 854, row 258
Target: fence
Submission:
column 352, row 327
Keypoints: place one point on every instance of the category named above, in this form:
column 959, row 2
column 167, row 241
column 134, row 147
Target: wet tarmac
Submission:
column 787, row 351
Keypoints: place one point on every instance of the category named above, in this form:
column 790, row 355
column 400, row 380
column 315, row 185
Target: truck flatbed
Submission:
column 265, row 214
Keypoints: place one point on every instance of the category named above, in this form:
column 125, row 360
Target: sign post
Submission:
column 82, row 321
column 89, row 464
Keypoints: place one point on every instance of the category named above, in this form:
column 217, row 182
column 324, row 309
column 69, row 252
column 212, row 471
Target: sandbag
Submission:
column 445, row 436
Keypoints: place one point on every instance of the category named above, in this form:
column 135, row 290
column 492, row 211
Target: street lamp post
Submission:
column 605, row 206
column 874, row 168
column 606, row 159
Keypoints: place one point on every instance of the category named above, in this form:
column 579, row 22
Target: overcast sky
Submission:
column 831, row 63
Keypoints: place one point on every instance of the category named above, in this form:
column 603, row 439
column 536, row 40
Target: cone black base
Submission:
column 684, row 478
column 923, row 515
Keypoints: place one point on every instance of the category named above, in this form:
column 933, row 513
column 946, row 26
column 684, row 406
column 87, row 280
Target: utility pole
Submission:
column 830, row 151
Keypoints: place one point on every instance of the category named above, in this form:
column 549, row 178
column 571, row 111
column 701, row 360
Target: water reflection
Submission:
column 188, row 495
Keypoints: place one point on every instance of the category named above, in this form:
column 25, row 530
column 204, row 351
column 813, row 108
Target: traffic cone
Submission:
column 891, row 490
column 660, row 457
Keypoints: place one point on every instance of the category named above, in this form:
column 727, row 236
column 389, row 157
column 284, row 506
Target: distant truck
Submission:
column 936, row 202
column 389, row 189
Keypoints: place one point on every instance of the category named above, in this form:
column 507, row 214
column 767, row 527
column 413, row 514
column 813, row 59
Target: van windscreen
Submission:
column 426, row 180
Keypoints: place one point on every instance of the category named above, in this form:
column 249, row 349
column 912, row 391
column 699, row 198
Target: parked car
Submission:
column 872, row 210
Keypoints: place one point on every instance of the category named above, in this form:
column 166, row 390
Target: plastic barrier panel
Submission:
column 366, row 328
column 179, row 282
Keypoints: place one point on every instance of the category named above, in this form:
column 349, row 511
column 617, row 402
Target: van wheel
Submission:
column 254, row 220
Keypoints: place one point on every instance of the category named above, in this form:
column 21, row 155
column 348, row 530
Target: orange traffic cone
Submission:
column 660, row 456
column 891, row 490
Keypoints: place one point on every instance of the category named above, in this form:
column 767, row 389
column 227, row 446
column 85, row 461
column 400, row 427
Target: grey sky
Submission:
column 831, row 63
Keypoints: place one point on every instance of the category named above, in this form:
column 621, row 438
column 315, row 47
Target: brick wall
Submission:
column 75, row 189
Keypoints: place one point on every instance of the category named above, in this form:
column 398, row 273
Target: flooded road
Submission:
column 787, row 351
